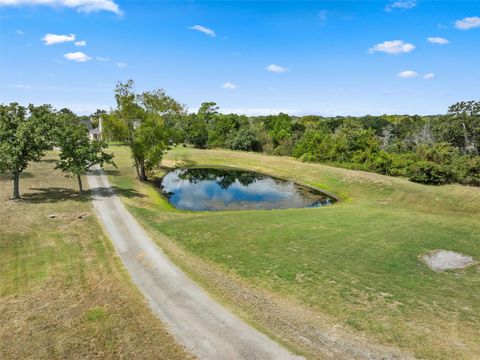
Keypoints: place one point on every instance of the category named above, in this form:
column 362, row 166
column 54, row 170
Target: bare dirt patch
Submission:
column 441, row 260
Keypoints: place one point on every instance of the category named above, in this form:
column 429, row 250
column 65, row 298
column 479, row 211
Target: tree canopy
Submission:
column 25, row 136
column 139, row 120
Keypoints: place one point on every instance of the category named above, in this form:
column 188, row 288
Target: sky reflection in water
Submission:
column 201, row 189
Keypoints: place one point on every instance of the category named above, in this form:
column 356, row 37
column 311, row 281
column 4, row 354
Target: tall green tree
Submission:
column 139, row 120
column 25, row 136
column 78, row 153
column 194, row 130
column 207, row 111
column 463, row 126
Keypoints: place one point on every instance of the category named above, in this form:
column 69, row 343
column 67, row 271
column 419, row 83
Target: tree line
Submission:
column 436, row 149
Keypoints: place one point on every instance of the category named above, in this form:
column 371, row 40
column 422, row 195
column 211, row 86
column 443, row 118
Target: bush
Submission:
column 468, row 170
column 428, row 172
column 243, row 140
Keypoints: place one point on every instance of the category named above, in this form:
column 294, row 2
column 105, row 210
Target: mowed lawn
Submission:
column 63, row 292
column 356, row 263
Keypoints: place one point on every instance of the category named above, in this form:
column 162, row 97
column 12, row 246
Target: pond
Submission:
column 211, row 189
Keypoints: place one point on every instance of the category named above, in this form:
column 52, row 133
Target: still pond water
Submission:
column 202, row 189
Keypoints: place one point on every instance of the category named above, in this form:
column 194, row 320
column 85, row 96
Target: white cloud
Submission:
column 407, row 74
column 401, row 4
column 468, row 23
column 50, row 39
column 80, row 43
column 393, row 47
column 230, row 86
column 204, row 30
column 77, row 56
column 276, row 68
column 438, row 40
column 99, row 58
column 19, row 32
column 429, row 76
column 86, row 6
column 121, row 64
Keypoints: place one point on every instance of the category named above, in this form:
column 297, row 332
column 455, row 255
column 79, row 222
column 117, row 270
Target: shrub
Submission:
column 428, row 172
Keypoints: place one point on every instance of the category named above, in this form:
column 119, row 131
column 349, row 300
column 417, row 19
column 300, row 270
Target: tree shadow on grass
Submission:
column 115, row 190
column 54, row 195
column 23, row 175
column 58, row 194
column 111, row 172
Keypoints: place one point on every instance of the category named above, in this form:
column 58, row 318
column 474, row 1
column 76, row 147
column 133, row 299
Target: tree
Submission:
column 77, row 153
column 244, row 139
column 221, row 126
column 149, row 144
column 194, row 130
column 463, row 127
column 24, row 137
column 207, row 111
column 139, row 120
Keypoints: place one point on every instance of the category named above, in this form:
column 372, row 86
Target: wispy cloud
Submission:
column 86, row 6
column 77, row 56
column 276, row 68
column 401, row 4
column 429, row 76
column 468, row 23
column 408, row 74
column 80, row 43
column 18, row 32
column 393, row 47
column 438, row 40
column 50, row 39
column 121, row 65
column 259, row 111
column 230, row 86
column 204, row 30
column 22, row 86
column 322, row 16
column 99, row 58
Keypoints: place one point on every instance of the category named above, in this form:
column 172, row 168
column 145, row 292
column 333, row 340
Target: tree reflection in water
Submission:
column 223, row 177
column 230, row 189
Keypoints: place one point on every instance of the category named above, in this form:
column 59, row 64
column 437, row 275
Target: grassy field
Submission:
column 63, row 292
column 354, row 265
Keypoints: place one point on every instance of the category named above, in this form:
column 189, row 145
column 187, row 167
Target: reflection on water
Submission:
column 227, row 189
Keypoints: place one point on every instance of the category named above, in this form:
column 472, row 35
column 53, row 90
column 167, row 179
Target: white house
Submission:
column 96, row 134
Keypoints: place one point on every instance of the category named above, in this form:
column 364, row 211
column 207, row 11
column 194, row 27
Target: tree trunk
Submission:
column 16, row 181
column 143, row 175
column 465, row 139
column 80, row 188
column 137, row 168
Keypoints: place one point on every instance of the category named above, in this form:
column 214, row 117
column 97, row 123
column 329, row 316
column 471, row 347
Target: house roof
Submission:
column 87, row 123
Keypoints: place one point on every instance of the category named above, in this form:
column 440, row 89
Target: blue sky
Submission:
column 254, row 57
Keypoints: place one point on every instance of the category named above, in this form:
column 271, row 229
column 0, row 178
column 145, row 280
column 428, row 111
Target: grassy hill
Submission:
column 353, row 266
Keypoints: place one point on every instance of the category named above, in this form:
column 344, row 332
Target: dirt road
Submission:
column 203, row 326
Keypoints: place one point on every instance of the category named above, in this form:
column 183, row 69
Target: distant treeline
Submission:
column 436, row 149
column 427, row 149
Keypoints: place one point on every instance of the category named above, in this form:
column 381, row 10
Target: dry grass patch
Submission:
column 63, row 292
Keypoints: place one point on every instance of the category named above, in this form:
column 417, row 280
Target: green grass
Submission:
column 63, row 292
column 356, row 262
